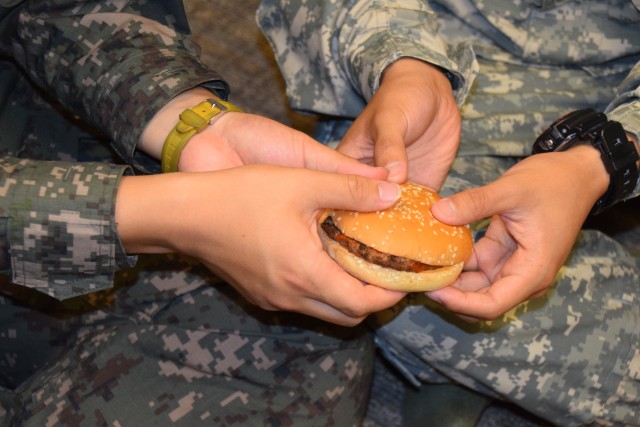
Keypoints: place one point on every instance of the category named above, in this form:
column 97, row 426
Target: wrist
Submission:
column 204, row 151
column 411, row 66
column 192, row 122
column 619, row 155
column 166, row 118
column 148, row 212
column 588, row 164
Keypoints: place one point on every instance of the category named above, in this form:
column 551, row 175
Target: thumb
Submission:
column 391, row 154
column 323, row 158
column 358, row 193
column 467, row 206
column 384, row 132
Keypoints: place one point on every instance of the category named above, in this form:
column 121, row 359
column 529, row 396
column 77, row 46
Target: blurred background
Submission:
column 234, row 46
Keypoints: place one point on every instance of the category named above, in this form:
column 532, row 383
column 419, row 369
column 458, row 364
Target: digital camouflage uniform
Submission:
column 170, row 345
column 572, row 357
column 85, row 338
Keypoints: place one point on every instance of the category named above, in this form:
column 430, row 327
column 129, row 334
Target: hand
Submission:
column 411, row 126
column 537, row 209
column 256, row 227
column 237, row 139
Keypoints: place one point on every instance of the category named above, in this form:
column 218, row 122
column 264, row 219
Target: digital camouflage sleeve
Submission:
column 337, row 73
column 108, row 66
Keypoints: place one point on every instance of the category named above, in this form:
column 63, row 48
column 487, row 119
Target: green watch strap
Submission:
column 192, row 121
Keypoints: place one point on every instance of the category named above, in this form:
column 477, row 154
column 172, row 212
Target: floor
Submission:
column 234, row 46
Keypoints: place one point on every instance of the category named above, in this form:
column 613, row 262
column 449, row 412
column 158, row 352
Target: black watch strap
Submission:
column 620, row 158
column 618, row 154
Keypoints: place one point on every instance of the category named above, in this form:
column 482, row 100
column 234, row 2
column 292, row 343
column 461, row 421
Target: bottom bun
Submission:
column 389, row 278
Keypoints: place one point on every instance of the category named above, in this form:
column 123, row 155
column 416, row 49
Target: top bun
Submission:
column 408, row 229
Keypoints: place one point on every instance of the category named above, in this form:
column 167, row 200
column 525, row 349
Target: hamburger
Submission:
column 402, row 248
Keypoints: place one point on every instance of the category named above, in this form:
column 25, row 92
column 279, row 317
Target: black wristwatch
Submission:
column 618, row 154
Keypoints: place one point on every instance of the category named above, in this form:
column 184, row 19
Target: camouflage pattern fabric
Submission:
column 172, row 345
column 113, row 64
column 332, row 55
column 106, row 68
column 572, row 357
column 169, row 344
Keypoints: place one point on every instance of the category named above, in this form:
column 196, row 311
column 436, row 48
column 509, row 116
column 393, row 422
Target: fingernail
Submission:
column 445, row 208
column 388, row 192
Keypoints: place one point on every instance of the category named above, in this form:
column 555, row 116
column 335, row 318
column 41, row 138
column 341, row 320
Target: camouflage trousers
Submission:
column 572, row 357
column 172, row 345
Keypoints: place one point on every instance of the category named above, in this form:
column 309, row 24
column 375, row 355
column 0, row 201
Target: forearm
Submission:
column 126, row 68
column 149, row 212
column 587, row 164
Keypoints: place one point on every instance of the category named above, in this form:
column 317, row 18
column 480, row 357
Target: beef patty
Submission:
column 372, row 255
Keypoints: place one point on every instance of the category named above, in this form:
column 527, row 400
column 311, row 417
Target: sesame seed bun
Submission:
column 408, row 230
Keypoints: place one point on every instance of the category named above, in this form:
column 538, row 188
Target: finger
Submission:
column 343, row 306
column 326, row 312
column 349, row 295
column 472, row 281
column 355, row 192
column 362, row 298
column 390, row 150
column 356, row 308
column 326, row 291
column 474, row 204
column 391, row 154
column 309, row 306
column 323, row 158
column 487, row 303
column 352, row 302
column 383, row 136
column 355, row 143
column 492, row 250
